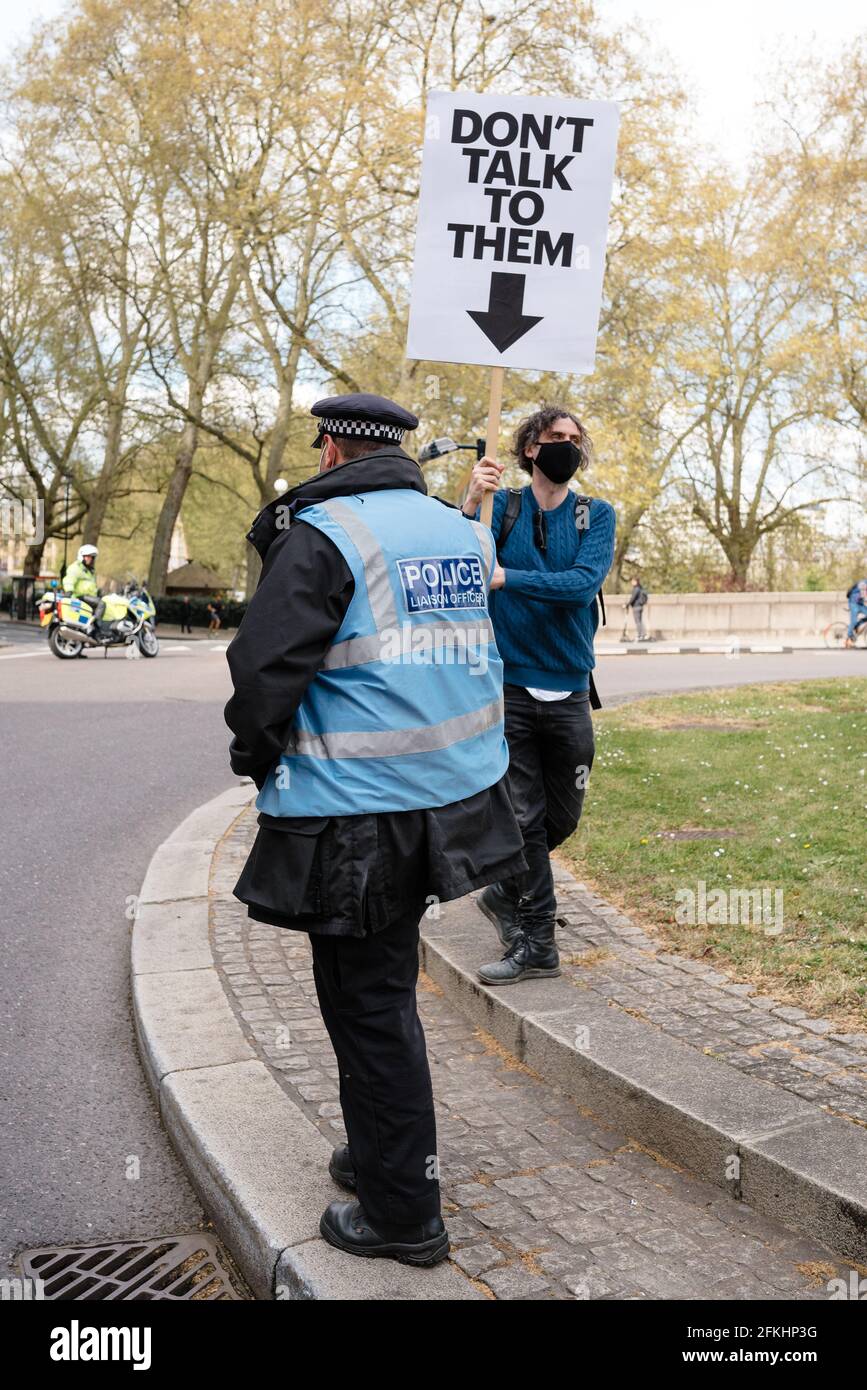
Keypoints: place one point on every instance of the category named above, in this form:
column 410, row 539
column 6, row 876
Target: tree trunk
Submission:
column 254, row 569
column 102, row 489
column 33, row 558
column 627, row 526
column 276, row 449
column 771, row 566
column 170, row 510
column 279, row 435
column 739, row 558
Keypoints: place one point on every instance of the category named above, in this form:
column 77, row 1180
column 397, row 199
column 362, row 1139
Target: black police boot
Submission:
column 342, row 1169
column 346, row 1226
column 498, row 905
column 531, row 955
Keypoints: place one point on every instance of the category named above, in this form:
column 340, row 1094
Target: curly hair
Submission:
column 529, row 430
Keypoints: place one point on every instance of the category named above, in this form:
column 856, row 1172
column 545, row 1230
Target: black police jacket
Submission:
column 345, row 875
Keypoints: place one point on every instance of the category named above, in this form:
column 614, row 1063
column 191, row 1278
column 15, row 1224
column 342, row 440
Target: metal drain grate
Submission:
column 175, row 1267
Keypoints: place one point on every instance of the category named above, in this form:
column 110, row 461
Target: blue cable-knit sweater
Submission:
column 545, row 616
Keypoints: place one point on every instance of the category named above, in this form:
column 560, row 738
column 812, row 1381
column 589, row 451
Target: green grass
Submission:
column 782, row 766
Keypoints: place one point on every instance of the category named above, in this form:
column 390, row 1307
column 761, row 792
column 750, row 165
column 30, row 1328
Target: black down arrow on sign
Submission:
column 504, row 320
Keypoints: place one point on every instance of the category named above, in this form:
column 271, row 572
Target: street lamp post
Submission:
column 65, row 530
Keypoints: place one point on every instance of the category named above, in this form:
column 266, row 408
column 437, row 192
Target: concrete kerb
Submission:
column 260, row 1165
column 786, row 1157
column 257, row 1162
column 708, row 648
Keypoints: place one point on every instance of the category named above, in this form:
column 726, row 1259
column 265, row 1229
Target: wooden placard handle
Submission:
column 492, row 436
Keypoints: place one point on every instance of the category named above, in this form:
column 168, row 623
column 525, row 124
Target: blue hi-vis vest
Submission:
column 407, row 708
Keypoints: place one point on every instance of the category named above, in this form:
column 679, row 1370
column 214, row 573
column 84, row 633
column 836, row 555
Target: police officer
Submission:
column 368, row 710
column 80, row 581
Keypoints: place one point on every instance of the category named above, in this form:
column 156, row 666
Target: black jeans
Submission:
column 551, row 748
column 366, row 988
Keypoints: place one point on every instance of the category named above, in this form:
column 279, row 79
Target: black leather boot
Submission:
column 532, row 955
column 342, row 1169
column 346, row 1226
column 498, row 904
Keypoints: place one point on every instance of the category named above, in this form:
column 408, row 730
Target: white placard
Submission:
column 512, row 225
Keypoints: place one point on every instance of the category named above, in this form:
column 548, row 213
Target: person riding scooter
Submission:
column 857, row 597
column 80, row 581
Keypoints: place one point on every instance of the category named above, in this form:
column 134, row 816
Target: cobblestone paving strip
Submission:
column 541, row 1200
column 687, row 999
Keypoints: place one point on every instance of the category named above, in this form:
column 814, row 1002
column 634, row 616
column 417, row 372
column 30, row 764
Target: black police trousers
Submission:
column 551, row 748
column 366, row 988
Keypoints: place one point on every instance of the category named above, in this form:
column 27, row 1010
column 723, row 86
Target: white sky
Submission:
column 722, row 50
column 16, row 19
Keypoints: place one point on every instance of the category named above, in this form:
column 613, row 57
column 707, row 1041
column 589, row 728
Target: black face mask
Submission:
column 559, row 462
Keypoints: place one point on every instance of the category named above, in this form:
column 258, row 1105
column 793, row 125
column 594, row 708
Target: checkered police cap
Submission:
column 362, row 416
column 369, row 428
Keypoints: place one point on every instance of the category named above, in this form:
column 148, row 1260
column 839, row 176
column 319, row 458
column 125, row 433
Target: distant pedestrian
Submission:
column 637, row 602
column 186, row 614
column 215, row 608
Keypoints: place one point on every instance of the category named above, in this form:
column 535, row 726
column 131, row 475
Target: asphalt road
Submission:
column 101, row 760
column 628, row 677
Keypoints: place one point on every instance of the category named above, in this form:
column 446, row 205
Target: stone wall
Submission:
column 733, row 615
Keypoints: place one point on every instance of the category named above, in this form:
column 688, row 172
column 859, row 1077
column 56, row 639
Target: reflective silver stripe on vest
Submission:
column 380, row 594
column 395, row 743
column 440, row 635
column 486, row 541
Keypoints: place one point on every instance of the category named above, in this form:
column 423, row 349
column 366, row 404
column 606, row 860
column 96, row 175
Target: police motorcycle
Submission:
column 126, row 621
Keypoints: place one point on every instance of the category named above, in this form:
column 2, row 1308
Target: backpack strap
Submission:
column 510, row 515
column 595, row 702
column 582, row 501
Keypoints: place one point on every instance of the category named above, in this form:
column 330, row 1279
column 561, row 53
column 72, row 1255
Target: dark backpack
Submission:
column 510, row 516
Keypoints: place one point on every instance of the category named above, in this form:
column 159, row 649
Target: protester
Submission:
column 637, row 602
column 554, row 551
column 382, row 783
